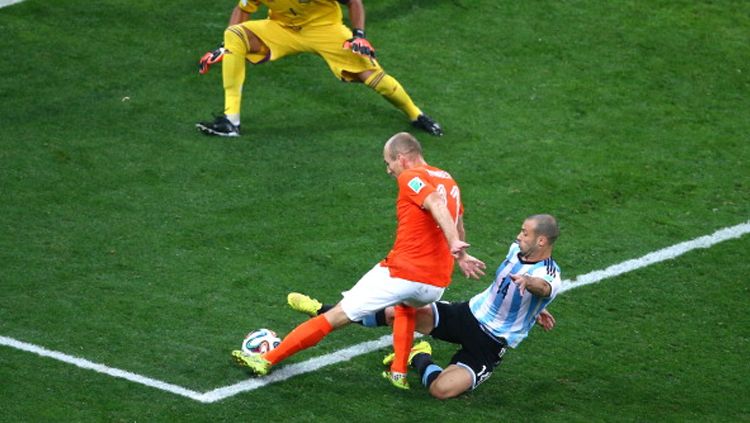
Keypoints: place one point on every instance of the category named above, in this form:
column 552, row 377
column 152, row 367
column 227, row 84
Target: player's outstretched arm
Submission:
column 536, row 286
column 358, row 43
column 356, row 13
column 436, row 206
column 238, row 16
column 470, row 266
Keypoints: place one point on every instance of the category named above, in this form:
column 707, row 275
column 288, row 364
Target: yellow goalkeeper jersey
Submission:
column 298, row 13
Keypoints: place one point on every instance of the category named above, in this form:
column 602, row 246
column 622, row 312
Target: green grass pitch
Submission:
column 129, row 239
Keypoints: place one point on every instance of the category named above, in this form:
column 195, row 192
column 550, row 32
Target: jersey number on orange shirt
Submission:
column 455, row 194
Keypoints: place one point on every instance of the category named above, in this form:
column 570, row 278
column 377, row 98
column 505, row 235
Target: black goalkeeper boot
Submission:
column 428, row 125
column 221, row 126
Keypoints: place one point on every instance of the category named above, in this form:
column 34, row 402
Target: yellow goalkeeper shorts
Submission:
column 326, row 41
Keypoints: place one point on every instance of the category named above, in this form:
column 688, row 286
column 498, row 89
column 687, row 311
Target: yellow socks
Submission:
column 233, row 70
column 389, row 87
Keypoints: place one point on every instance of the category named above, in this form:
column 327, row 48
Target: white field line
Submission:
column 100, row 368
column 660, row 255
column 289, row 371
column 4, row 3
column 346, row 354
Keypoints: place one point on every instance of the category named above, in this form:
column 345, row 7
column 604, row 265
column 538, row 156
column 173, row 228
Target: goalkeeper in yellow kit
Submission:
column 302, row 26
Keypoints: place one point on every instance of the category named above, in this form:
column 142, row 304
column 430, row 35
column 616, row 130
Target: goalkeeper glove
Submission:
column 359, row 44
column 210, row 58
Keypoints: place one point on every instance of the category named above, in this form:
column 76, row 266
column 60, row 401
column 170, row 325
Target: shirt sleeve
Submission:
column 550, row 273
column 249, row 6
column 512, row 250
column 414, row 187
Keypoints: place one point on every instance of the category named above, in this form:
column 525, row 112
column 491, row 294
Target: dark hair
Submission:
column 546, row 225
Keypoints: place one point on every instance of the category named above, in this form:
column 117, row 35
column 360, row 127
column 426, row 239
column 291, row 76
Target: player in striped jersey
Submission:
column 500, row 316
column 302, row 26
column 504, row 309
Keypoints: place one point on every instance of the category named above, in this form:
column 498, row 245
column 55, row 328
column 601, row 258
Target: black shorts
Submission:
column 480, row 352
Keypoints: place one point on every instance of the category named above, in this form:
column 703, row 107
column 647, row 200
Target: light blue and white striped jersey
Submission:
column 501, row 309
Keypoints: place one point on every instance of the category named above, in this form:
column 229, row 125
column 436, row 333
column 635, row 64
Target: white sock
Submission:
column 234, row 118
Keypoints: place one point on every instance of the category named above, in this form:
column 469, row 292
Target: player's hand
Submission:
column 546, row 320
column 521, row 281
column 210, row 58
column 359, row 44
column 470, row 266
column 458, row 248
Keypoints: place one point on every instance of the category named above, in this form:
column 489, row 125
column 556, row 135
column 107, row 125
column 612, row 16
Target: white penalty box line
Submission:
column 346, row 354
column 283, row 373
column 5, row 3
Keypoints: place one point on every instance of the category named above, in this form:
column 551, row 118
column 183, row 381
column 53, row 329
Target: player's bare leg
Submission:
column 451, row 382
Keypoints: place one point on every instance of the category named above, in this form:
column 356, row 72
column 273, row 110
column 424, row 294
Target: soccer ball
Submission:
column 260, row 341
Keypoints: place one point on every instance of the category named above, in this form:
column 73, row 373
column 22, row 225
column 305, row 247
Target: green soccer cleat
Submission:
column 255, row 362
column 422, row 347
column 398, row 380
column 303, row 303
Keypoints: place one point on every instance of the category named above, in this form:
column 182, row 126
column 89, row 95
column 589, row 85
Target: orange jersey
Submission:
column 421, row 252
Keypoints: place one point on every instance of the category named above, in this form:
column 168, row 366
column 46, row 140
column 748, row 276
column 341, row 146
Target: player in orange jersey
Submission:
column 430, row 233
